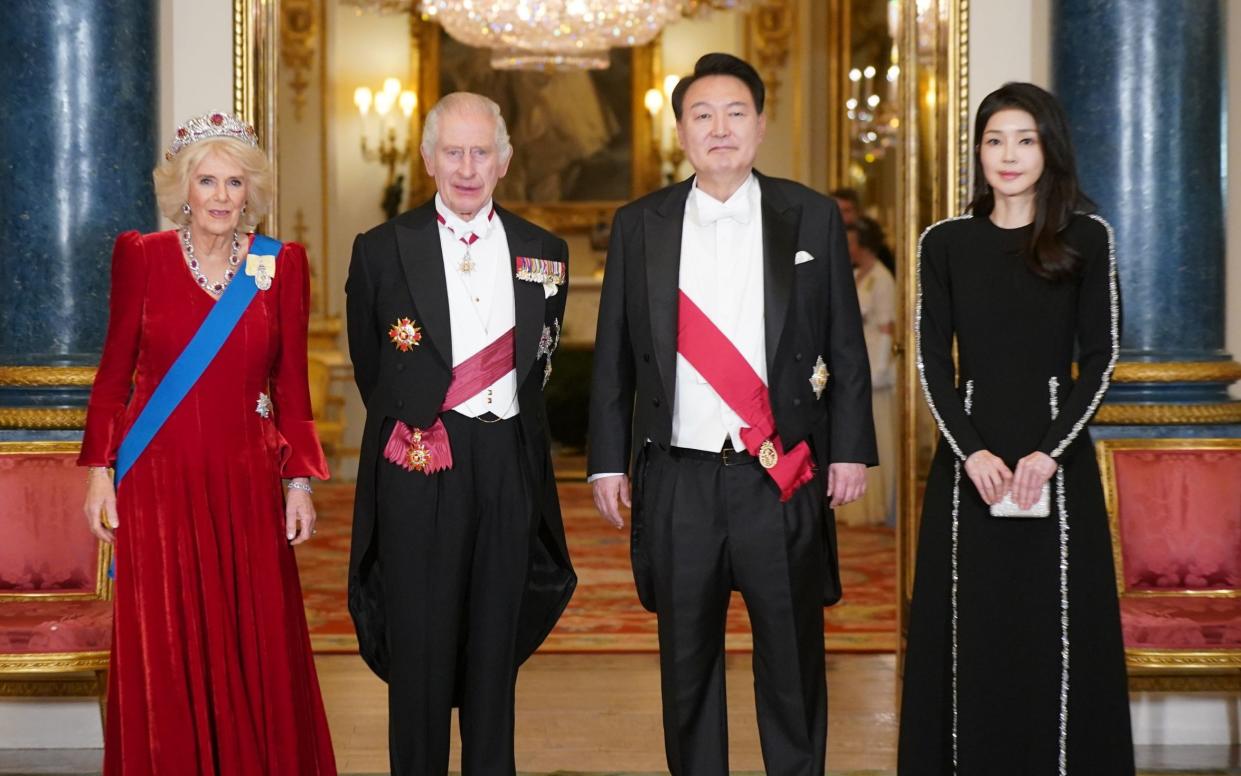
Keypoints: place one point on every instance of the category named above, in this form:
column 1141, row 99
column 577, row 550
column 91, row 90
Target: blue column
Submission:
column 78, row 140
column 1143, row 84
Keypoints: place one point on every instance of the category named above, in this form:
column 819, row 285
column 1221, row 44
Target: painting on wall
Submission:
column 572, row 132
column 581, row 138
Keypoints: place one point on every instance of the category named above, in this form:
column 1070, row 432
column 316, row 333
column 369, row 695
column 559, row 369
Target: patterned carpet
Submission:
column 604, row 615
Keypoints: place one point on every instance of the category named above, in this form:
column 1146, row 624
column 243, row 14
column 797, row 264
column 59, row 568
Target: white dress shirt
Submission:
column 480, row 300
column 722, row 272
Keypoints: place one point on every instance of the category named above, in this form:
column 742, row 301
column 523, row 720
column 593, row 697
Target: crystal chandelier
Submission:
column 552, row 34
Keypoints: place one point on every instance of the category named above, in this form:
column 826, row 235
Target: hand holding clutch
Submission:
column 1030, row 495
column 1007, row 507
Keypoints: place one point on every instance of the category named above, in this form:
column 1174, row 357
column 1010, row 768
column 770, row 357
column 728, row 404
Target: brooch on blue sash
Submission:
column 262, row 268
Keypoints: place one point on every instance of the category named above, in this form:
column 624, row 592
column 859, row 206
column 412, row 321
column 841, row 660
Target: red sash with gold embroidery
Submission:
column 719, row 362
column 428, row 450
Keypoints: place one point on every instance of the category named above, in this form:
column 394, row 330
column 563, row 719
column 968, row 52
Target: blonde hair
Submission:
column 172, row 179
column 464, row 102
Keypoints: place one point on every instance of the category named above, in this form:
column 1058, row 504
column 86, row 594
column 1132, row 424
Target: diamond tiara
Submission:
column 215, row 124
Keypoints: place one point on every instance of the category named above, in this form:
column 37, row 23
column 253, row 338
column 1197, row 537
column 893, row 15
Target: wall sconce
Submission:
column 393, row 147
column 664, row 145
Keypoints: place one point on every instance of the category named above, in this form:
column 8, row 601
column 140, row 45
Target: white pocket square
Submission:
column 802, row 257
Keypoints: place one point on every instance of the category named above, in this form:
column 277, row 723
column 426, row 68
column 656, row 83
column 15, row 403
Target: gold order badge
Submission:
column 767, row 456
column 419, row 453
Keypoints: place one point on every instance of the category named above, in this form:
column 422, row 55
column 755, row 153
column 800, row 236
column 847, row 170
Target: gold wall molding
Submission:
column 300, row 227
column 1168, row 414
column 769, row 35
column 1177, row 372
column 46, row 376
column 299, row 34
column 256, row 25
column 43, row 417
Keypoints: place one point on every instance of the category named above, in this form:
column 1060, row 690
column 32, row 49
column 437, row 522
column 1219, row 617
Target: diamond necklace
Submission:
column 234, row 259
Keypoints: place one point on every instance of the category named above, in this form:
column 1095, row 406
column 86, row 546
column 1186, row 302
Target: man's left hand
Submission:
column 846, row 482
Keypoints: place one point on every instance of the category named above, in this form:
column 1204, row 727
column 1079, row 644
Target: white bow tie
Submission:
column 711, row 210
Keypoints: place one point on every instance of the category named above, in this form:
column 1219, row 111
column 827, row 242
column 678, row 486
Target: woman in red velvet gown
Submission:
column 211, row 670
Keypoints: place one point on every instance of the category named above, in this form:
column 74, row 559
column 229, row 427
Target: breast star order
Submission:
column 405, row 334
column 818, row 377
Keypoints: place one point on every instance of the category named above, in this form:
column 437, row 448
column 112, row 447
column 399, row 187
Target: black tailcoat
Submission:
column 810, row 309
column 397, row 271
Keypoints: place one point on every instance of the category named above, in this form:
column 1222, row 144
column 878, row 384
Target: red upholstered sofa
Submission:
column 1174, row 506
column 55, row 596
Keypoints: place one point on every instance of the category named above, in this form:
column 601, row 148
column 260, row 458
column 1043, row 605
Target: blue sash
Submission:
column 192, row 362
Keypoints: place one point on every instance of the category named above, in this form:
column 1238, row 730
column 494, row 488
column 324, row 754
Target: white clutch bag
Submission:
column 1008, row 508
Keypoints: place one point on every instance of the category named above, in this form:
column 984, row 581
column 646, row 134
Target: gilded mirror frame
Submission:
column 935, row 171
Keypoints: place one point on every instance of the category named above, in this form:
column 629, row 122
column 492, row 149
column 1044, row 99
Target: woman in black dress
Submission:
column 1015, row 663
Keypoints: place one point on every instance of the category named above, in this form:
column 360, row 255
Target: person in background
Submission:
column 876, row 290
column 850, row 204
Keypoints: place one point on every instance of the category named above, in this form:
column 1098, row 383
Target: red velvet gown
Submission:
column 211, row 665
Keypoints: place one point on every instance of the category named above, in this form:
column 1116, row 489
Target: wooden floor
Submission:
column 601, row 713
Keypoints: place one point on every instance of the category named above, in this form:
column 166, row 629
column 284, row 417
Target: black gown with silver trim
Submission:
column 1014, row 662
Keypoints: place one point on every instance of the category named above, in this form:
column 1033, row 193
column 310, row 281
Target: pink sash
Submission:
column 719, row 362
column 428, row 450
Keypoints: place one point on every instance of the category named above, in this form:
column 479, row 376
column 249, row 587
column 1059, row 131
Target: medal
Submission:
column 767, row 456
column 263, row 407
column 419, row 456
column 818, row 377
column 262, row 268
column 405, row 334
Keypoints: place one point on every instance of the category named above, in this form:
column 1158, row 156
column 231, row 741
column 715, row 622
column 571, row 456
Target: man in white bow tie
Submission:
column 731, row 381
column 458, row 567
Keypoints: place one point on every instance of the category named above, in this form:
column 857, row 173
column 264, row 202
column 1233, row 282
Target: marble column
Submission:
column 78, row 140
column 1143, row 84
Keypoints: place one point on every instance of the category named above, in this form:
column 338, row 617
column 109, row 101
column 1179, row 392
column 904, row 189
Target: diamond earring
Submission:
column 185, row 208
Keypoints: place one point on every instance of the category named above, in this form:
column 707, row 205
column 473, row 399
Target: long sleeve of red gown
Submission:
column 114, row 379
column 289, row 386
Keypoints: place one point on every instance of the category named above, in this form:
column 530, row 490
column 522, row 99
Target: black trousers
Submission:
column 714, row 529
column 454, row 548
